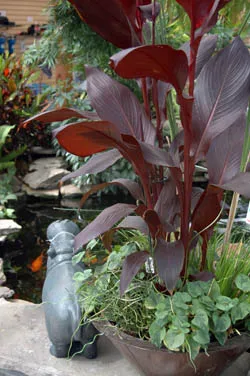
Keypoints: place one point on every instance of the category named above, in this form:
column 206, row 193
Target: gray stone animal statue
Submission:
column 62, row 311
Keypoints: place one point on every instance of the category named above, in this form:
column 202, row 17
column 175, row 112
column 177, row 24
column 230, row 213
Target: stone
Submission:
column 69, row 190
column 45, row 173
column 2, row 275
column 39, row 150
column 9, row 372
column 8, row 226
column 6, row 293
column 25, row 347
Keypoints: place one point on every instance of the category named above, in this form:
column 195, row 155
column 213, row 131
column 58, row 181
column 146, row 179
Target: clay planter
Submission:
column 151, row 361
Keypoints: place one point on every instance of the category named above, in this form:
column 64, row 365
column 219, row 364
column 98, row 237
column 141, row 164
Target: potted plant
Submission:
column 167, row 279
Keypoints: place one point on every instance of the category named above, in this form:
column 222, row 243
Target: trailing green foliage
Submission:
column 193, row 317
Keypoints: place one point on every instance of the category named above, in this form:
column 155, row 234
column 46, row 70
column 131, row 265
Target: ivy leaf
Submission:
column 193, row 347
column 78, row 257
column 198, row 288
column 157, row 333
column 201, row 319
column 153, row 300
column 207, row 303
column 174, row 339
column 201, row 336
column 221, row 337
column 242, row 281
column 221, row 323
column 180, row 299
column 82, row 276
column 240, row 311
column 224, row 303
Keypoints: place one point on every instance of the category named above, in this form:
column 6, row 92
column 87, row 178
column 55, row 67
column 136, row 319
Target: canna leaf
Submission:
column 169, row 259
column 225, row 152
column 87, row 138
column 63, row 114
column 97, row 163
column 114, row 102
column 131, row 267
column 133, row 188
column 202, row 13
column 205, row 51
column 135, row 222
column 147, row 61
column 114, row 20
column 240, row 183
column 221, row 95
column 156, row 156
column 102, row 223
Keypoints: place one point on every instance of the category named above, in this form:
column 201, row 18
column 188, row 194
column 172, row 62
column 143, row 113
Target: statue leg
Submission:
column 59, row 351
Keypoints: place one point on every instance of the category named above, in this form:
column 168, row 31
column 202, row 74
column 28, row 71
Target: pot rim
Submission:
column 117, row 335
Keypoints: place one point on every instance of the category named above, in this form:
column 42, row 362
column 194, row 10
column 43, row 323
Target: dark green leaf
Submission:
column 174, row 339
column 242, row 281
column 221, row 323
column 157, row 333
column 240, row 311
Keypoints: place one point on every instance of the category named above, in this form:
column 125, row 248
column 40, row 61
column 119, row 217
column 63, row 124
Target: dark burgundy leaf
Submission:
column 114, row 20
column 154, row 223
column 135, row 222
column 221, row 95
column 196, row 195
column 202, row 276
column 225, row 153
column 63, row 114
column 239, row 183
column 176, row 147
column 87, row 138
column 114, row 102
column 102, row 223
column 147, row 61
column 208, row 209
column 133, row 188
column 169, row 259
column 131, row 267
column 156, row 156
column 203, row 13
column 205, row 51
column 97, row 163
column 168, row 206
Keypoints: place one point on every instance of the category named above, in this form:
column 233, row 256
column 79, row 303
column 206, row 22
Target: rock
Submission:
column 25, row 347
column 66, row 190
column 8, row 226
column 45, row 173
column 9, row 372
column 40, row 151
column 3, row 238
column 2, row 275
column 6, row 293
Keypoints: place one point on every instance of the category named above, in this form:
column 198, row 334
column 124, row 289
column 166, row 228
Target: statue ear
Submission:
column 51, row 251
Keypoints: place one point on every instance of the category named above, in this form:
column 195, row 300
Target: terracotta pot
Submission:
column 151, row 361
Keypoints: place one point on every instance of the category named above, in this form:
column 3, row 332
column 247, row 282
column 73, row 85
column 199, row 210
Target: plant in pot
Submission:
column 161, row 285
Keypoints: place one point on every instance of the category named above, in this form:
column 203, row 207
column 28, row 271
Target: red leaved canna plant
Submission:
column 212, row 90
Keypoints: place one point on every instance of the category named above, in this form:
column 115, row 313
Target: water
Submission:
column 19, row 250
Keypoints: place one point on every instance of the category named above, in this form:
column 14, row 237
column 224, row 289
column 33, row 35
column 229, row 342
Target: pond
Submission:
column 24, row 275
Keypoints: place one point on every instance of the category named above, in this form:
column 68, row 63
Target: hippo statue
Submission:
column 63, row 316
